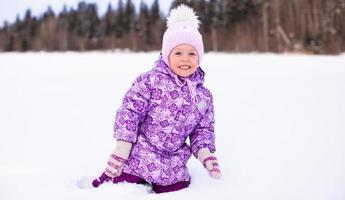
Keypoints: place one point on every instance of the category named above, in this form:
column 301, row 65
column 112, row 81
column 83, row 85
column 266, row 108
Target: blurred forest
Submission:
column 306, row 26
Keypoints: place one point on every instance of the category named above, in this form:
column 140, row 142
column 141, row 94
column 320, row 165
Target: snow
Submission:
column 280, row 125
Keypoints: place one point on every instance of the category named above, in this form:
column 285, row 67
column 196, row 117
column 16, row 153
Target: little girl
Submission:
column 163, row 108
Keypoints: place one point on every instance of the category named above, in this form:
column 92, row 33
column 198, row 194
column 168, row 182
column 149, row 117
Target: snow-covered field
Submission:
column 280, row 125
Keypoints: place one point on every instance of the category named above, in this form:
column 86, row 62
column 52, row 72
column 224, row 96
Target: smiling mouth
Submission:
column 184, row 67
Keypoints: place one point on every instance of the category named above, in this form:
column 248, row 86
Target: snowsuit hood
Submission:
column 196, row 78
column 193, row 81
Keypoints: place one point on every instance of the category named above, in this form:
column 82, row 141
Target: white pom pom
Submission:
column 183, row 13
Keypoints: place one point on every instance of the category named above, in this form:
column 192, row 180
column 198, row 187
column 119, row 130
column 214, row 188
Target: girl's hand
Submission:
column 99, row 181
column 212, row 166
column 113, row 169
column 210, row 162
column 115, row 163
column 115, row 166
column 118, row 159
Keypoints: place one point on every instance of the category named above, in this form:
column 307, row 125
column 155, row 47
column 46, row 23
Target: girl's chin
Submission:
column 184, row 75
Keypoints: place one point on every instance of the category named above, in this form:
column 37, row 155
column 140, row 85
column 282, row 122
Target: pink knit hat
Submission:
column 182, row 28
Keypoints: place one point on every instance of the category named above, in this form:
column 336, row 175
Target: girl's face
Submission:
column 184, row 60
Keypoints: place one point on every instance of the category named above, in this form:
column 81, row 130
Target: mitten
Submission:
column 100, row 180
column 118, row 158
column 115, row 164
column 210, row 163
column 212, row 166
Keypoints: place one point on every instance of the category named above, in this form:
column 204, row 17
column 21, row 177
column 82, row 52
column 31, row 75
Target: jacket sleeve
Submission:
column 203, row 135
column 133, row 109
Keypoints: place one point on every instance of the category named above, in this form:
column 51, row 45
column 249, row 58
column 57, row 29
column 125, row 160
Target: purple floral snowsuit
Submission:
column 158, row 115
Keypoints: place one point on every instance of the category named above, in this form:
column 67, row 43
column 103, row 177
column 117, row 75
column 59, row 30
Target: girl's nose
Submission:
column 185, row 57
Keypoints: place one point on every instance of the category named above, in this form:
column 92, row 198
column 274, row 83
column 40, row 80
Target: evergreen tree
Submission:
column 156, row 26
column 26, row 32
column 143, row 26
column 176, row 3
column 82, row 24
column 7, row 40
column 210, row 14
column 119, row 20
column 72, row 21
column 62, row 33
column 129, row 17
column 94, row 20
column 49, row 13
column 155, row 12
column 200, row 7
column 109, row 21
column 239, row 10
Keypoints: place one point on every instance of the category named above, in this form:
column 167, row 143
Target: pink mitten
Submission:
column 113, row 169
column 210, row 162
column 100, row 180
column 212, row 166
column 118, row 158
column 115, row 163
column 115, row 166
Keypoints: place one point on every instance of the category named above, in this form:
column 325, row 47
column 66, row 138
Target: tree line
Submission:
column 312, row 26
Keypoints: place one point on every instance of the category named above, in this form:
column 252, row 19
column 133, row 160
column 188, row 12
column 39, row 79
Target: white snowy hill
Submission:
column 280, row 125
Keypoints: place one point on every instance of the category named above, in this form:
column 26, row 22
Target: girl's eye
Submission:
column 192, row 54
column 178, row 53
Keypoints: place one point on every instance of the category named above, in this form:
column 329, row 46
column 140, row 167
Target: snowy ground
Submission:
column 280, row 125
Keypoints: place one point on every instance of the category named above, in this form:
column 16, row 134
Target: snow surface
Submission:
column 280, row 125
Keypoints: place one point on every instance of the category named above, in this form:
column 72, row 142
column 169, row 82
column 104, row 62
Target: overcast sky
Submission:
column 9, row 9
